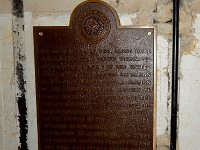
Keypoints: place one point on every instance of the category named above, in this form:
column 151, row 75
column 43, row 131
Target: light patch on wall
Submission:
column 187, row 38
column 125, row 19
column 51, row 19
column 195, row 5
column 196, row 25
column 5, row 7
column 163, row 142
column 50, row 5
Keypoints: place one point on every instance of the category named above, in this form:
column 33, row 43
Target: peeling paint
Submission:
column 169, row 77
column 18, row 48
column 163, row 141
column 162, row 15
column 187, row 17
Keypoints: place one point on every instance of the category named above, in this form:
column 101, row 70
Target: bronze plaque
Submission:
column 95, row 83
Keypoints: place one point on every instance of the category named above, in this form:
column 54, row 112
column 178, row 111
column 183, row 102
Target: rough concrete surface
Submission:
column 131, row 12
column 5, row 7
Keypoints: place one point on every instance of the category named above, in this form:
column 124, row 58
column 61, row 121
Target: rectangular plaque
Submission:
column 95, row 83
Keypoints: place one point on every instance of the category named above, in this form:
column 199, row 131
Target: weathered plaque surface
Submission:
column 95, row 83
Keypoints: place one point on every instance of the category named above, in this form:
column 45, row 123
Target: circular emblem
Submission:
column 93, row 26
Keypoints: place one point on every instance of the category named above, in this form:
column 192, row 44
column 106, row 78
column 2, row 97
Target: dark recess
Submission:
column 18, row 8
column 21, row 101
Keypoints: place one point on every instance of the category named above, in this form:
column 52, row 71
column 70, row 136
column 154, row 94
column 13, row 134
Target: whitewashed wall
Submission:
column 53, row 13
column 189, row 111
column 8, row 119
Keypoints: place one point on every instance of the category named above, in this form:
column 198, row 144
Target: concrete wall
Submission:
column 131, row 12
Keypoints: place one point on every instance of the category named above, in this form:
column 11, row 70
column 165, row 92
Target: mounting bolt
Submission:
column 149, row 33
column 41, row 33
